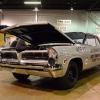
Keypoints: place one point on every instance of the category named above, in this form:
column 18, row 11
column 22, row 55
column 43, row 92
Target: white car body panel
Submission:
column 88, row 55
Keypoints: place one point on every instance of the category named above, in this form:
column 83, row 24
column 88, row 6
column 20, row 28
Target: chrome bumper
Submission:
column 32, row 70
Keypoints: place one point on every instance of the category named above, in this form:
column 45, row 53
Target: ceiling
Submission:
column 89, row 5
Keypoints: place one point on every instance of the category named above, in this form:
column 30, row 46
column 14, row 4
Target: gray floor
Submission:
column 39, row 88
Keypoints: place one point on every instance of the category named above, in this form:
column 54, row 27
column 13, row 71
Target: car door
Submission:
column 93, row 50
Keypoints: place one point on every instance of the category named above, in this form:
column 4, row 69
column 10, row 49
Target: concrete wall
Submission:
column 80, row 20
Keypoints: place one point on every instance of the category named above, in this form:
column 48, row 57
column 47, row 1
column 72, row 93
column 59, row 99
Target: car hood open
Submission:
column 38, row 33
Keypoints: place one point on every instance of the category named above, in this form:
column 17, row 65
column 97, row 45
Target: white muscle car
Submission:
column 51, row 53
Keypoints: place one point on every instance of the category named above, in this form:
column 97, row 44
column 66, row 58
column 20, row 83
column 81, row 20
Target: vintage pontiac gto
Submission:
column 51, row 53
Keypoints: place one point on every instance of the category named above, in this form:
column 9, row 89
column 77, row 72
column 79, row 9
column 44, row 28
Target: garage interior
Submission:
column 84, row 17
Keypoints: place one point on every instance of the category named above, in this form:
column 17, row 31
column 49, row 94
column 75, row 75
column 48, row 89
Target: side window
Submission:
column 97, row 41
column 90, row 40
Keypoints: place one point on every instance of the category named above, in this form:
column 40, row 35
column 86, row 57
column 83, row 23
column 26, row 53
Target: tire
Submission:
column 20, row 76
column 70, row 78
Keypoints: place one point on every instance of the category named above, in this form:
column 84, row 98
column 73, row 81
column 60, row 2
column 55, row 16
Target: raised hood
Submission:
column 38, row 33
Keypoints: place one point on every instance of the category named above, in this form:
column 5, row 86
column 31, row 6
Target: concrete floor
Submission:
column 38, row 88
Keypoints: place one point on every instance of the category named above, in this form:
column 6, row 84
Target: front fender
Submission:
column 65, row 64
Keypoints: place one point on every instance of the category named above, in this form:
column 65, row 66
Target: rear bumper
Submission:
column 32, row 70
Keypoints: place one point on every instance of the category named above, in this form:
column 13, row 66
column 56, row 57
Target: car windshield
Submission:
column 77, row 37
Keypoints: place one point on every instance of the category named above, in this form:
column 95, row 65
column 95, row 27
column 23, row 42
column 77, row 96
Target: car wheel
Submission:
column 69, row 79
column 20, row 76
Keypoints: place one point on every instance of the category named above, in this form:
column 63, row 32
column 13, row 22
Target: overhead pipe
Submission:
column 87, row 21
column 93, row 6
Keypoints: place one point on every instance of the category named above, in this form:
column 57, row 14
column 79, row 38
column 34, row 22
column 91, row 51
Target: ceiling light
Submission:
column 71, row 8
column 36, row 9
column 0, row 10
column 32, row 2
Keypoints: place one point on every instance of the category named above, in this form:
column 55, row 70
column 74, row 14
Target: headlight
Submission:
column 52, row 53
column 53, row 57
column 51, row 62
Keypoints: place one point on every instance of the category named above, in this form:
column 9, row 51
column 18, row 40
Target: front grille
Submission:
column 8, row 55
column 35, row 56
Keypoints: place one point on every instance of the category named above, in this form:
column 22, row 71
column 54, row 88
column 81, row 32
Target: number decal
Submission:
column 81, row 49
